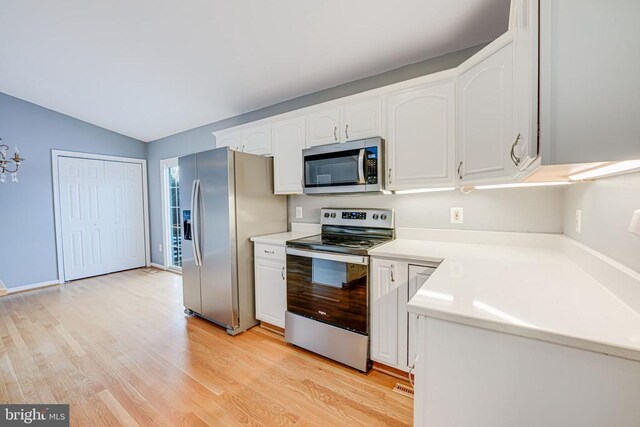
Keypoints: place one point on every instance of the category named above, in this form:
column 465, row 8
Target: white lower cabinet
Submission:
column 418, row 275
column 384, row 311
column 393, row 329
column 270, row 284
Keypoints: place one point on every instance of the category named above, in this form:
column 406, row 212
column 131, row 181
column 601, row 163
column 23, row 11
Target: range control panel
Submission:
column 378, row 218
column 354, row 215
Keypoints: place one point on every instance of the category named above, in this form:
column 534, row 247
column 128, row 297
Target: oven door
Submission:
column 350, row 167
column 331, row 288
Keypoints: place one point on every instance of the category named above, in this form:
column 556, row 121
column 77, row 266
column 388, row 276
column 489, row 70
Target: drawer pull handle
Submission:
column 283, row 278
column 269, row 252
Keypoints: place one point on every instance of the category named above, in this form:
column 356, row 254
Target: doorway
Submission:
column 171, row 214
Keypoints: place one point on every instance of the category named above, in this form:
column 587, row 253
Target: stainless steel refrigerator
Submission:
column 226, row 197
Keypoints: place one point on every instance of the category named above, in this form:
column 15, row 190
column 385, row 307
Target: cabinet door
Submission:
column 271, row 291
column 257, row 140
column 384, row 312
column 323, row 127
column 231, row 140
column 485, row 119
column 361, row 120
column 525, row 83
column 288, row 142
column 418, row 275
column 421, row 137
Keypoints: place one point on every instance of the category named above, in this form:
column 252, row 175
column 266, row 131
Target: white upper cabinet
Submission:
column 228, row 139
column 421, row 136
column 346, row 122
column 288, row 142
column 485, row 118
column 256, row 140
column 361, row 119
column 525, row 82
column 323, row 127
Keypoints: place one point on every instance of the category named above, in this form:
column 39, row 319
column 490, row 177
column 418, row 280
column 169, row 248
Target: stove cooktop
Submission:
column 350, row 230
column 351, row 244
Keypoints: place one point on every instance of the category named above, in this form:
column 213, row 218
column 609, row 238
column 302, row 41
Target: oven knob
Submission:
column 375, row 216
column 333, row 214
column 326, row 214
column 383, row 217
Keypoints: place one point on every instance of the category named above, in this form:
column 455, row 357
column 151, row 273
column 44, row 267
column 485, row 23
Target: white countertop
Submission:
column 298, row 231
column 279, row 239
column 536, row 291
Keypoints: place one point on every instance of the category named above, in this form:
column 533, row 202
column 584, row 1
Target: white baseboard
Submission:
column 158, row 266
column 3, row 288
column 32, row 286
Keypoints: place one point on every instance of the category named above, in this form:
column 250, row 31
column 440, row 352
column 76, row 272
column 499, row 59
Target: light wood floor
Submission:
column 120, row 351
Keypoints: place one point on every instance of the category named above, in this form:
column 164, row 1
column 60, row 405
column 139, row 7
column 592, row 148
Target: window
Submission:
column 171, row 206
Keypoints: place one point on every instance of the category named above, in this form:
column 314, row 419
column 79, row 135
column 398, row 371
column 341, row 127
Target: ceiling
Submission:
column 152, row 68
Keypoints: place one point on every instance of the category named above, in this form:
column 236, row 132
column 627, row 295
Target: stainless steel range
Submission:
column 328, row 284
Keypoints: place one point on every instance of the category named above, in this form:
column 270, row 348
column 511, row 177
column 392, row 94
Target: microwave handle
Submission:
column 361, row 179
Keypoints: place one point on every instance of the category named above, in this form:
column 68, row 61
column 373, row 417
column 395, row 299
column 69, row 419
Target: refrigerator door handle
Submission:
column 195, row 221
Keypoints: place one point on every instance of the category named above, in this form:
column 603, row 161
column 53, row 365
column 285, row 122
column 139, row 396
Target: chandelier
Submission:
column 9, row 164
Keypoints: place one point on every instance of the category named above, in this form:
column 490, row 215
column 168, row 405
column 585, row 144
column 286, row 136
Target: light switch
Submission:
column 457, row 216
column 298, row 212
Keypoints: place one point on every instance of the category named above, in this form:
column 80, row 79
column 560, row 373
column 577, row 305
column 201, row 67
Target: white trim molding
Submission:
column 3, row 288
column 55, row 155
column 32, row 286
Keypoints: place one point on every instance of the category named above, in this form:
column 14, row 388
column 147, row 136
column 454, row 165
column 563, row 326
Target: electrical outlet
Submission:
column 160, row 247
column 457, row 216
column 578, row 222
column 298, row 212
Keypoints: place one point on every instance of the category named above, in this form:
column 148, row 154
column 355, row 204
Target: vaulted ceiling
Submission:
column 152, row 68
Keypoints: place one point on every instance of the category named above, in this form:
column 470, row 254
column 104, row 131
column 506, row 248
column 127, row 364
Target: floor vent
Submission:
column 404, row 390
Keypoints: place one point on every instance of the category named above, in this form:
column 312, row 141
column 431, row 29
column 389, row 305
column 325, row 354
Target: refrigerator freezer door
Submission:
column 217, row 246
column 190, row 271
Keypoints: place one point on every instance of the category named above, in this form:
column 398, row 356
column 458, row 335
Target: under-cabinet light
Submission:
column 522, row 184
column 424, row 190
column 610, row 169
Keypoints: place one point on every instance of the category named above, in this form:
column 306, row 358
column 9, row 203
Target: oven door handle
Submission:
column 350, row 259
column 361, row 166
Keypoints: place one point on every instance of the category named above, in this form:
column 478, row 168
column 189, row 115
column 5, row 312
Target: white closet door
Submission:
column 83, row 217
column 102, row 217
column 123, row 186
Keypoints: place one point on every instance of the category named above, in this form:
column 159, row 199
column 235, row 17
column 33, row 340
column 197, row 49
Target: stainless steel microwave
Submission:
column 349, row 167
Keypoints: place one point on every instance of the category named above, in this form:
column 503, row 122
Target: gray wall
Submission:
column 520, row 209
column 200, row 139
column 27, row 236
column 606, row 205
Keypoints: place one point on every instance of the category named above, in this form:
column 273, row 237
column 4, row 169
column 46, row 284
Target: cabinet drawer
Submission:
column 270, row 252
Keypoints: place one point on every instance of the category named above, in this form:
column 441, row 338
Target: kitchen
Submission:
column 466, row 229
